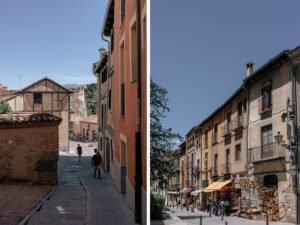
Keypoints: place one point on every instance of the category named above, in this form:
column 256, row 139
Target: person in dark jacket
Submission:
column 79, row 152
column 96, row 163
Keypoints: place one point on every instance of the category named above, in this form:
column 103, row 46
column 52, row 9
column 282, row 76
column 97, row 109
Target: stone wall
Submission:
column 29, row 148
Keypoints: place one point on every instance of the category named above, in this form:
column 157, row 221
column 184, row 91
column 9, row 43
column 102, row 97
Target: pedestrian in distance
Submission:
column 79, row 152
column 96, row 163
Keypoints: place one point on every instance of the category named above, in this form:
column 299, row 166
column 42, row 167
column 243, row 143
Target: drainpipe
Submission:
column 104, row 144
column 248, row 127
column 138, row 139
column 295, row 134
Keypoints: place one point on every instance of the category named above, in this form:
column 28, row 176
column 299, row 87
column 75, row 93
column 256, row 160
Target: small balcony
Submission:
column 238, row 123
column 265, row 107
column 215, row 138
column 225, row 168
column 215, row 171
column 267, row 152
column 227, row 129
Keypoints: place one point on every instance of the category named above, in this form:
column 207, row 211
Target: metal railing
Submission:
column 215, row 138
column 225, row 168
column 265, row 152
column 238, row 123
column 263, row 107
column 227, row 129
column 215, row 171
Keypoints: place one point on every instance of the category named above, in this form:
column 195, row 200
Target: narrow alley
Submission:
column 79, row 199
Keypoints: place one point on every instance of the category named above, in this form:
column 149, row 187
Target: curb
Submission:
column 88, row 202
column 25, row 220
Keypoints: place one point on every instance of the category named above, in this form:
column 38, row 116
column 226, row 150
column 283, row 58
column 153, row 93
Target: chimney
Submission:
column 102, row 51
column 249, row 66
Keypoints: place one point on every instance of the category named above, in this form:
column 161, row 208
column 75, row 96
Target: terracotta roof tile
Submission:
column 27, row 119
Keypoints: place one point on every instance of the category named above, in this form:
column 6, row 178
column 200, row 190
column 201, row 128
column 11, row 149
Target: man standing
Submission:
column 79, row 152
column 96, row 163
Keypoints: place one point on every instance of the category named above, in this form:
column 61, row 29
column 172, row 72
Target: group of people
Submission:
column 217, row 207
column 96, row 161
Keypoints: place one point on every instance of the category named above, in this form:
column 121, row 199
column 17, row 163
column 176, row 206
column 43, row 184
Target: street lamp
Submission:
column 278, row 137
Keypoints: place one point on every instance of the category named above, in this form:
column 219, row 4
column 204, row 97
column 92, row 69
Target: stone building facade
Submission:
column 77, row 109
column 250, row 144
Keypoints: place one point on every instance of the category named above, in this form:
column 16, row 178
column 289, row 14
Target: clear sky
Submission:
column 58, row 38
column 199, row 49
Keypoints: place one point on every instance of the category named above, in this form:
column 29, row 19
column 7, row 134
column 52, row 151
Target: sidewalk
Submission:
column 105, row 205
column 183, row 217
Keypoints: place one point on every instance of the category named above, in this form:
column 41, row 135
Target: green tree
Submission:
column 162, row 139
column 90, row 93
column 4, row 107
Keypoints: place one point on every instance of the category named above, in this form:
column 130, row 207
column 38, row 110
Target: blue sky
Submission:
column 58, row 38
column 199, row 49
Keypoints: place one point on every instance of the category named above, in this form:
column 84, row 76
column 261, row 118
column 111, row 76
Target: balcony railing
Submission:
column 215, row 171
column 265, row 152
column 227, row 129
column 225, row 168
column 215, row 138
column 238, row 123
column 265, row 107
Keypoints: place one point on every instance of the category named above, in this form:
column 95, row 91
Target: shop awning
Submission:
column 186, row 190
column 217, row 186
column 196, row 192
column 222, row 184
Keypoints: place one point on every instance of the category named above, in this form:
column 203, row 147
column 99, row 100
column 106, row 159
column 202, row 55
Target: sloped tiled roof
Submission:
column 18, row 120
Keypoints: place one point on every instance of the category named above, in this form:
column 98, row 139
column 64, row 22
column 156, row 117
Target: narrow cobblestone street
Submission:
column 79, row 199
column 183, row 217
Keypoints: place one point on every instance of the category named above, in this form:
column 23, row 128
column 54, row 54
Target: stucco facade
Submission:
column 121, row 123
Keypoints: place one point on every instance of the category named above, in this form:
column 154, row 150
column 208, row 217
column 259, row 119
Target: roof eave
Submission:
column 108, row 19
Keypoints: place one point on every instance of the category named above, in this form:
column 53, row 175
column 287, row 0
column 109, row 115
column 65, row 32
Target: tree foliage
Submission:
column 162, row 139
column 90, row 92
column 4, row 107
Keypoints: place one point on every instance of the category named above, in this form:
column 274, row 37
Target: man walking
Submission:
column 96, row 163
column 79, row 152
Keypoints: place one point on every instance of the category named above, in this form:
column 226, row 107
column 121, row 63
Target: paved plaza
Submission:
column 176, row 216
